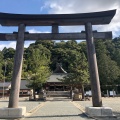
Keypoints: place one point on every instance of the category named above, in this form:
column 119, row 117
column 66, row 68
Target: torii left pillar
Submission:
column 16, row 78
column 14, row 111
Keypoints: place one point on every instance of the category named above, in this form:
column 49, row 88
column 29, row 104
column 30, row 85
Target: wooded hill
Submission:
column 40, row 60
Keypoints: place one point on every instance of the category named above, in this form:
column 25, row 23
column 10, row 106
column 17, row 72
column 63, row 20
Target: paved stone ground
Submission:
column 53, row 109
column 23, row 102
column 113, row 102
column 62, row 109
column 58, row 110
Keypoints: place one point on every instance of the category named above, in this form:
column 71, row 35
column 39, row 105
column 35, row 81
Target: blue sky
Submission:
column 22, row 6
column 59, row 7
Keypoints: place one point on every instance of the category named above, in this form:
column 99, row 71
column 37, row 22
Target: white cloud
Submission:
column 83, row 6
column 34, row 31
column 13, row 44
column 27, row 43
column 80, row 6
column 37, row 31
column 8, row 45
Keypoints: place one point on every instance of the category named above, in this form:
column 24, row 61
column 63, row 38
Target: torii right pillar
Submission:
column 94, row 76
column 97, row 110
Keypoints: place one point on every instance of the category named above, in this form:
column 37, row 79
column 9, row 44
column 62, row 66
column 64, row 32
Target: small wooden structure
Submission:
column 54, row 82
column 5, row 89
column 54, row 85
column 24, row 90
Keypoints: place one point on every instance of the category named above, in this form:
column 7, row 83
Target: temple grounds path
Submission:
column 61, row 109
column 57, row 109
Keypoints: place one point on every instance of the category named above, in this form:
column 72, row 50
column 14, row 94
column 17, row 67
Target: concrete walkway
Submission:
column 57, row 110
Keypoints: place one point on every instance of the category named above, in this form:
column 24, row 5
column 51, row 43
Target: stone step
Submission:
column 58, row 93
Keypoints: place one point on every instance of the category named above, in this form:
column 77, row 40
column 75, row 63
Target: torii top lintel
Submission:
column 96, row 18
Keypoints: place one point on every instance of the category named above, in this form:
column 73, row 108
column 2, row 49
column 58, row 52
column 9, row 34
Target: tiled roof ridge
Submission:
column 59, row 69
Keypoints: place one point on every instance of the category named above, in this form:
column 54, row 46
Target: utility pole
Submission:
column 4, row 80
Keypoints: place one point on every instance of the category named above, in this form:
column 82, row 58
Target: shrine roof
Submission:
column 6, row 84
column 59, row 69
column 9, row 19
column 22, row 85
column 55, row 77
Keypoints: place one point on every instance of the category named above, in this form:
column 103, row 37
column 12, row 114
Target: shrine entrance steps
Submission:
column 58, row 96
column 58, row 99
column 58, row 93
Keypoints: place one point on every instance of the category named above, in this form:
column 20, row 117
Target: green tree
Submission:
column 1, row 66
column 9, row 58
column 61, row 52
column 79, row 74
column 49, row 44
column 108, row 69
column 8, row 53
column 38, row 60
column 114, row 49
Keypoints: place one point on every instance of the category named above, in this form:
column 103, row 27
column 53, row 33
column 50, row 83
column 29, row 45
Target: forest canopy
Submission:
column 40, row 60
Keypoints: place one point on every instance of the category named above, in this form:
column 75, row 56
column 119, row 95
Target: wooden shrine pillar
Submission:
column 55, row 28
column 94, row 76
column 18, row 59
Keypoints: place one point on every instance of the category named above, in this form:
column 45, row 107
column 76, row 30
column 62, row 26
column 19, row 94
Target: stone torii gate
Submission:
column 55, row 20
